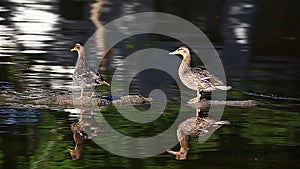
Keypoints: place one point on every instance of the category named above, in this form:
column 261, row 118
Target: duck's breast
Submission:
column 187, row 77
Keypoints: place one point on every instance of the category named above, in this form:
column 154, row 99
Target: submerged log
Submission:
column 206, row 103
column 67, row 100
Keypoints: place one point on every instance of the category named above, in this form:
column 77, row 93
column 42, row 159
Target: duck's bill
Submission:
column 74, row 49
column 172, row 53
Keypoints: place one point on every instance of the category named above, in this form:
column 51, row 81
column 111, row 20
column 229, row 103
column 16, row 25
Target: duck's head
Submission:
column 184, row 51
column 79, row 48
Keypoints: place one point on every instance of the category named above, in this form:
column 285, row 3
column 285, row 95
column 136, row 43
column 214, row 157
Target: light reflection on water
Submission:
column 34, row 54
column 34, row 25
column 18, row 117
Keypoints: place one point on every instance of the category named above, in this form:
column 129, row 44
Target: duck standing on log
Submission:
column 197, row 78
column 83, row 76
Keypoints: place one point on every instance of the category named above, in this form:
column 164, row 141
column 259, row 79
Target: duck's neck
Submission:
column 186, row 61
column 81, row 60
column 81, row 54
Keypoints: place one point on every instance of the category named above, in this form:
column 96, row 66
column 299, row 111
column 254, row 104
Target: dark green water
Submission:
column 256, row 42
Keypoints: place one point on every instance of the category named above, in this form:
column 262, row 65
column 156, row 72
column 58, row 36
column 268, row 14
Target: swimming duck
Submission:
column 83, row 76
column 197, row 78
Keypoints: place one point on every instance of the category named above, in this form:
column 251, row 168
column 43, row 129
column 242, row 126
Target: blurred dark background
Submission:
column 257, row 41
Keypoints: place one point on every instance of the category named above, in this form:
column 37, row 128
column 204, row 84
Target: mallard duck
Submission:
column 83, row 76
column 197, row 78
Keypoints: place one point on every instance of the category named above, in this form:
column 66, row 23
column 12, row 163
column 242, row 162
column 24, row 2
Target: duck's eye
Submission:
column 181, row 49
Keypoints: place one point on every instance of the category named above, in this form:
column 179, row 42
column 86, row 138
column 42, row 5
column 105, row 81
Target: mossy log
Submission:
column 206, row 103
column 67, row 100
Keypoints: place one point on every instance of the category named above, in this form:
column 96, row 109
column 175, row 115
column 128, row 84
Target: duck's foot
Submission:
column 178, row 155
column 79, row 98
column 194, row 100
column 171, row 152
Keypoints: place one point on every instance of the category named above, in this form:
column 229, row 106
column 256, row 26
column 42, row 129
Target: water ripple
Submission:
column 18, row 117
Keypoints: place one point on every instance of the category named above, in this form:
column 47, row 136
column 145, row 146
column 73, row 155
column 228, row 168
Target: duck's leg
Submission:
column 182, row 153
column 81, row 113
column 199, row 114
column 199, row 95
column 93, row 92
column 81, row 93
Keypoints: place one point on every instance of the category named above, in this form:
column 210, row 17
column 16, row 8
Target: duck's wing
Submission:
column 207, row 76
column 218, row 83
column 86, row 77
column 97, row 77
column 82, row 78
column 215, row 80
column 94, row 75
column 201, row 74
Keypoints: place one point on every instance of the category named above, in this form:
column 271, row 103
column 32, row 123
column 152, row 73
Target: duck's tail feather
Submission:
column 100, row 76
column 222, row 123
column 99, row 80
column 223, row 87
column 102, row 82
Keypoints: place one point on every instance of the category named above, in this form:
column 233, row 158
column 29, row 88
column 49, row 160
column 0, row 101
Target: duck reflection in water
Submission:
column 85, row 128
column 195, row 127
column 79, row 136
